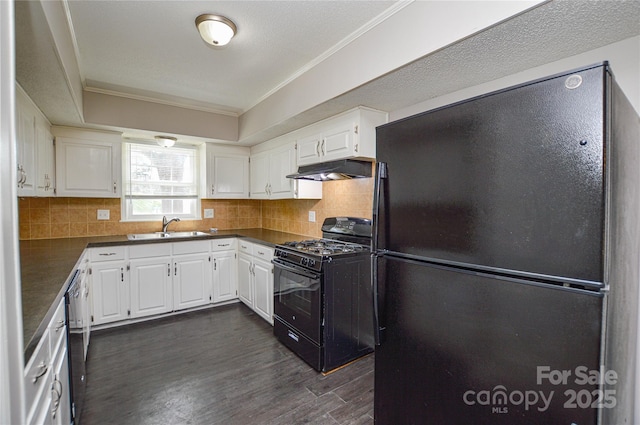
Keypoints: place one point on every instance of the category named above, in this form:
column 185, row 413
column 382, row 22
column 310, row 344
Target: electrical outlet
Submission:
column 208, row 213
column 103, row 214
column 312, row 216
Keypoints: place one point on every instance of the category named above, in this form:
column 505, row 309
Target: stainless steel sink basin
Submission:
column 168, row 235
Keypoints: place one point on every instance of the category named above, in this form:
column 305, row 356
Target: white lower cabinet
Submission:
column 263, row 281
column 255, row 278
column 151, row 286
column 191, row 281
column 225, row 269
column 245, row 278
column 141, row 280
column 46, row 376
column 110, row 292
column 60, row 390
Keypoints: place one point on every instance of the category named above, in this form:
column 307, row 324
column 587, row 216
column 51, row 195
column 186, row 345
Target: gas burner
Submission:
column 324, row 246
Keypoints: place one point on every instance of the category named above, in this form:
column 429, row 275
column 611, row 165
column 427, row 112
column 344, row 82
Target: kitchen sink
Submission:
column 168, row 235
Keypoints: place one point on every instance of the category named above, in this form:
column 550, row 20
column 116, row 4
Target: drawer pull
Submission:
column 107, row 254
column 58, row 396
column 60, row 324
column 43, row 371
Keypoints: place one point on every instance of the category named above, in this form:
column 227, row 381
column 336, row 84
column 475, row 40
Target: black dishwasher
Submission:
column 77, row 369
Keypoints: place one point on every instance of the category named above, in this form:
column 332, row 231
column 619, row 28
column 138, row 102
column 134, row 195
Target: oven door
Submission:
column 298, row 298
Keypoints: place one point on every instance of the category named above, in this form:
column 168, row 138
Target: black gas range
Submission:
column 322, row 294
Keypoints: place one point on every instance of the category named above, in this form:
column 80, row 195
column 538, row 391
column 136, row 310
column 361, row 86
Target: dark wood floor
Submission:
column 217, row 366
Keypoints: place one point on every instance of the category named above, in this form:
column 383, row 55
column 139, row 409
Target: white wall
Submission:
column 624, row 57
column 11, row 344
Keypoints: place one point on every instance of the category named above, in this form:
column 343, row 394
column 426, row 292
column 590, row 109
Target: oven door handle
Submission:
column 294, row 269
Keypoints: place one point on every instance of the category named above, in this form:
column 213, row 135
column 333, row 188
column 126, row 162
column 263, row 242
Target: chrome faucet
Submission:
column 165, row 223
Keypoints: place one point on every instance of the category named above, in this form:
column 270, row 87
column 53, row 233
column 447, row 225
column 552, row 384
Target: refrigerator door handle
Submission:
column 378, row 298
column 377, row 287
column 381, row 175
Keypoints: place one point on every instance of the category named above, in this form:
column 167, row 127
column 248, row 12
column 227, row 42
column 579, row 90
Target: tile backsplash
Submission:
column 44, row 218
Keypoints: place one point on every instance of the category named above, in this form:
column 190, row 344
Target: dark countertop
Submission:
column 47, row 265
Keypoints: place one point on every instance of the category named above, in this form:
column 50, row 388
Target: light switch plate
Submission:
column 208, row 213
column 103, row 214
column 312, row 216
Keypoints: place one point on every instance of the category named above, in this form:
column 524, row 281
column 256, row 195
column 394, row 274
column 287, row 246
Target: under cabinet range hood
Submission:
column 334, row 170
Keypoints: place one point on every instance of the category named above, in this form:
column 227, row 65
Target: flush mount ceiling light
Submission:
column 166, row 141
column 215, row 30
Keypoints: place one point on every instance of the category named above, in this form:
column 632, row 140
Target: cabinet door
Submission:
column 110, row 292
column 191, row 281
column 263, row 281
column 260, row 176
column 26, row 147
column 308, row 151
column 230, row 176
column 85, row 311
column 45, row 160
column 282, row 162
column 337, row 143
column 86, row 168
column 60, row 390
column 245, row 291
column 225, row 276
column 151, row 286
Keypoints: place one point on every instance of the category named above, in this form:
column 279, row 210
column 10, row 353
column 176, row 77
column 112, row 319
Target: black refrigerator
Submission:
column 498, row 224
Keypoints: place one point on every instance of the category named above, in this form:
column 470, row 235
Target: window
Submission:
column 160, row 181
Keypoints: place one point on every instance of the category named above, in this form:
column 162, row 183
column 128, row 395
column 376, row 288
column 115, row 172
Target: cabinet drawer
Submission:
column 36, row 374
column 108, row 253
column 263, row 252
column 223, row 244
column 150, row 250
column 191, row 247
column 57, row 327
column 246, row 247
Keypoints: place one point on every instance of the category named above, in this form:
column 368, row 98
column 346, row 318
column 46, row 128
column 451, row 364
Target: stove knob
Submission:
column 304, row 261
column 312, row 263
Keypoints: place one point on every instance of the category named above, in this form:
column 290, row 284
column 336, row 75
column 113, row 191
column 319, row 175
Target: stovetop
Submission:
column 324, row 247
column 342, row 237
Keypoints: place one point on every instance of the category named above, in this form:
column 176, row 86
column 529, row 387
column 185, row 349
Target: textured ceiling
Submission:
column 545, row 34
column 152, row 49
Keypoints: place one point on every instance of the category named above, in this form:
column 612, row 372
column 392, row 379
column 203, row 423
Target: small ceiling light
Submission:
column 166, row 141
column 215, row 30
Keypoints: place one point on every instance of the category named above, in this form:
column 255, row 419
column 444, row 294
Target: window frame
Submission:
column 126, row 212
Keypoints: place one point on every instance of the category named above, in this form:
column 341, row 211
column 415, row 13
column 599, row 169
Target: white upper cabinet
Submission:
column 269, row 170
column 226, row 172
column 35, row 154
column 88, row 163
column 351, row 134
column 45, row 160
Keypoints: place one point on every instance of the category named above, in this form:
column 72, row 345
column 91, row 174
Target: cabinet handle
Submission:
column 355, row 147
column 60, row 324
column 56, row 403
column 213, row 188
column 115, row 187
column 107, row 254
column 168, row 269
column 121, row 274
column 318, row 147
column 175, row 272
column 270, row 191
column 215, row 265
column 43, row 370
column 323, row 151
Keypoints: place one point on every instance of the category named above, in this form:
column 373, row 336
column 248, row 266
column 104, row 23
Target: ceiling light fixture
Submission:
column 166, row 141
column 215, row 29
